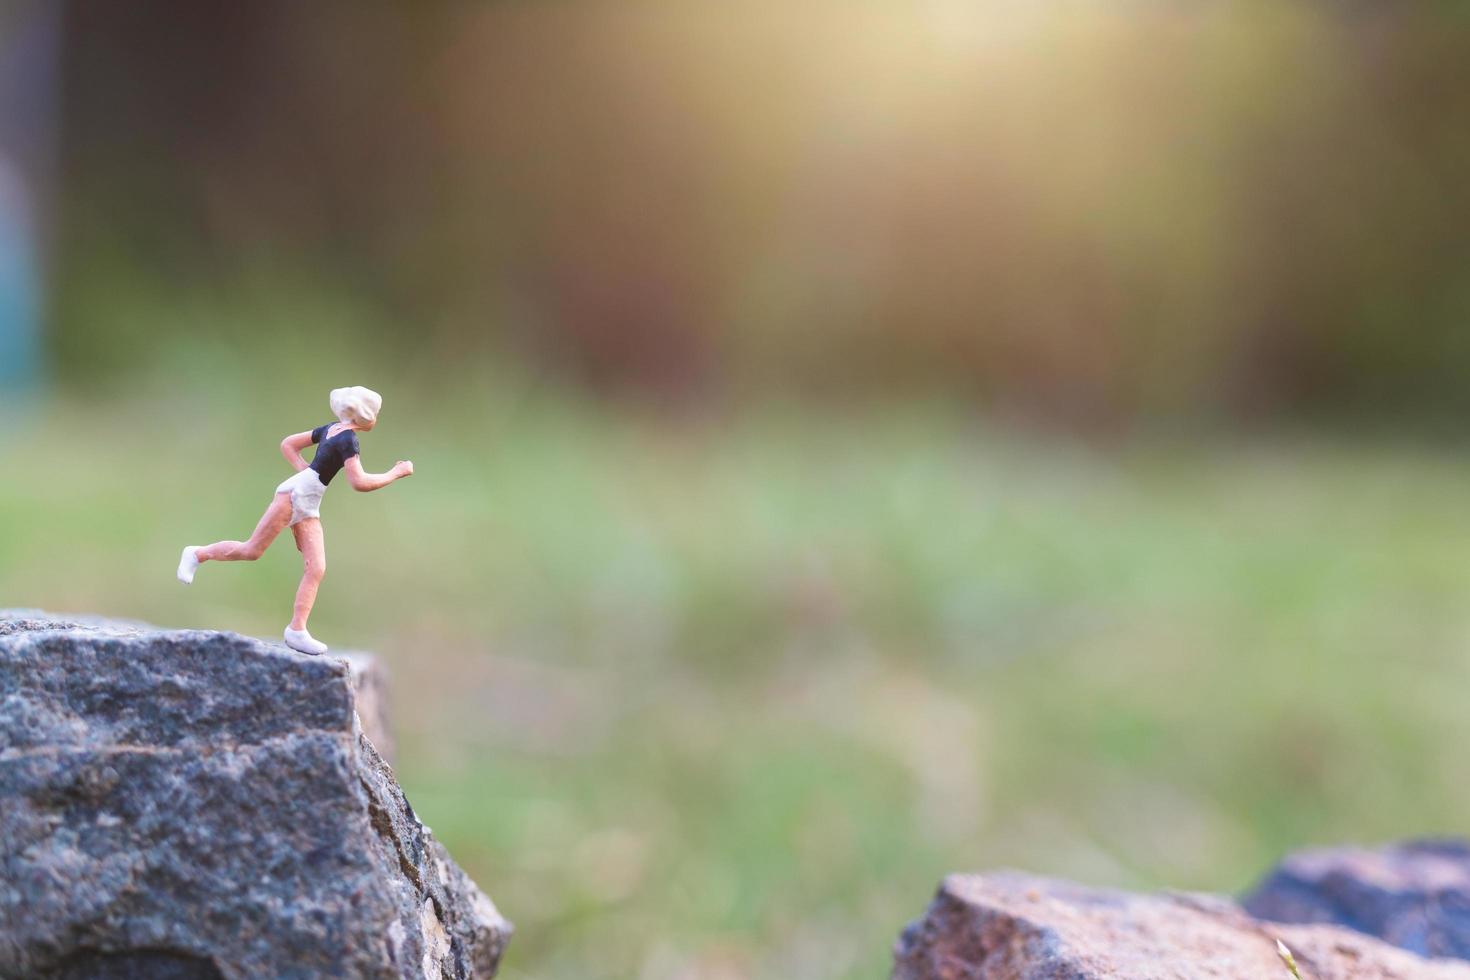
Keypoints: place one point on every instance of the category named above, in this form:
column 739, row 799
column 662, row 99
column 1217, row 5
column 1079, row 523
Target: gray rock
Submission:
column 368, row 674
column 190, row 804
column 1011, row 926
column 1415, row 895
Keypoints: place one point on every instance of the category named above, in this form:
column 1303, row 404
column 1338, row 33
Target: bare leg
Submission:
column 313, row 550
column 272, row 522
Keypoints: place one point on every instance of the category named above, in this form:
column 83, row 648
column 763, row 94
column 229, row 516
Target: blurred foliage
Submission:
column 1095, row 214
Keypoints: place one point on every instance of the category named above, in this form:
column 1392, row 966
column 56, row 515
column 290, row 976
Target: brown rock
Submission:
column 1010, row 926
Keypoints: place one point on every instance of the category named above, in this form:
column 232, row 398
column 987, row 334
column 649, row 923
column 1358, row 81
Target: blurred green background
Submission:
column 855, row 441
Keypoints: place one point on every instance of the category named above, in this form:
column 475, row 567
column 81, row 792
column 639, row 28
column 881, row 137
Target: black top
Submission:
column 333, row 452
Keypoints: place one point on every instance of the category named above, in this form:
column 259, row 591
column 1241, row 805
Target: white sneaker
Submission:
column 188, row 562
column 303, row 642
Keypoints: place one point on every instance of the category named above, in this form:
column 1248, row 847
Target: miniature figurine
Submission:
column 298, row 501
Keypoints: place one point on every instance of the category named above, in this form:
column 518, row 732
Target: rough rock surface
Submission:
column 1415, row 895
column 368, row 675
column 193, row 804
column 1017, row 927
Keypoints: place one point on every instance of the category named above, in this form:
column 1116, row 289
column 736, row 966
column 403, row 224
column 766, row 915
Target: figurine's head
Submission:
column 357, row 406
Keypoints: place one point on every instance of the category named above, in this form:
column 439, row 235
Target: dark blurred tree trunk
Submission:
column 30, row 38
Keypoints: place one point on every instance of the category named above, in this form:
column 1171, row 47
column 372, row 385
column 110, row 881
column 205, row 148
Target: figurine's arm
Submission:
column 364, row 481
column 291, row 447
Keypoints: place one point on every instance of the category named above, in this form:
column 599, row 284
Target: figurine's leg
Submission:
column 314, row 560
column 272, row 522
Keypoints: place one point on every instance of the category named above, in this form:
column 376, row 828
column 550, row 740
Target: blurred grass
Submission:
column 725, row 697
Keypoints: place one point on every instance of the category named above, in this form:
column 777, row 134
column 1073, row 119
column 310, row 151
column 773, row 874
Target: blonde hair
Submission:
column 355, row 404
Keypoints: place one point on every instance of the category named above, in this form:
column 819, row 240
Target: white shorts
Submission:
column 306, row 489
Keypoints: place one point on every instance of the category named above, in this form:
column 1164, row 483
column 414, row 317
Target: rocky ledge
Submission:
column 190, row 804
column 1397, row 913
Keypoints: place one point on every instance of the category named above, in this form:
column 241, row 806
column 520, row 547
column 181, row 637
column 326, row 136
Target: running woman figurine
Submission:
column 298, row 501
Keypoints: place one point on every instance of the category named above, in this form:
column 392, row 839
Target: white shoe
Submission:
column 188, row 562
column 303, row 642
